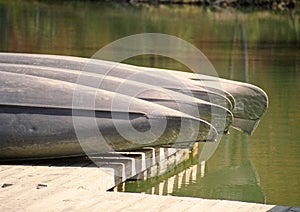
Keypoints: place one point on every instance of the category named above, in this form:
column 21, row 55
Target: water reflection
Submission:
column 235, row 178
column 257, row 46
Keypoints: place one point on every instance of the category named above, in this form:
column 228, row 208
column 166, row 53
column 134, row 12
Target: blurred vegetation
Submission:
column 269, row 4
column 81, row 27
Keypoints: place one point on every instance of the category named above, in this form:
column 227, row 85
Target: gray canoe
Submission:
column 219, row 117
column 39, row 119
column 132, row 73
column 251, row 101
column 250, row 104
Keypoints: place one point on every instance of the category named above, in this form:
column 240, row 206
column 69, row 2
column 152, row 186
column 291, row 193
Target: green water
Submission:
column 260, row 47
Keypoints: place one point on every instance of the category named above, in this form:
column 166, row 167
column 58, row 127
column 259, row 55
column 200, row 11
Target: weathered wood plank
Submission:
column 75, row 188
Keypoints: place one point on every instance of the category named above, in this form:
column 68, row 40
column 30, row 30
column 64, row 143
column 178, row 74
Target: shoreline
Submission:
column 239, row 4
column 243, row 4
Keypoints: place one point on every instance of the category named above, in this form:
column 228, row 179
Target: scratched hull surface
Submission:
column 128, row 72
column 250, row 102
column 36, row 122
column 219, row 117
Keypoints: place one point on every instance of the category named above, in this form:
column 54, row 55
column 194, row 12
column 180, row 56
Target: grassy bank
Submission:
column 267, row 4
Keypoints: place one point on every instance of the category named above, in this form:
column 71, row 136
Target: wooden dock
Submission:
column 83, row 199
column 77, row 184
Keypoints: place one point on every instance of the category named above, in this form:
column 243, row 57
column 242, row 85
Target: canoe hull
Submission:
column 38, row 119
column 28, row 133
column 212, row 113
column 129, row 72
column 250, row 102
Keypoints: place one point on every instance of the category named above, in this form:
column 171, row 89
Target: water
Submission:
column 260, row 47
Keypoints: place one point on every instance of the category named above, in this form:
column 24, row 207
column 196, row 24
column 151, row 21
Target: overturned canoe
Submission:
column 133, row 73
column 251, row 101
column 219, row 117
column 40, row 119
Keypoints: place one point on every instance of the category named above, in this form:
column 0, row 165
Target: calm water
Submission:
column 255, row 46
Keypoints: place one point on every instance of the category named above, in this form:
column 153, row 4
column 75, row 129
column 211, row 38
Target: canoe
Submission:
column 41, row 118
column 218, row 116
column 250, row 104
column 251, row 101
column 128, row 72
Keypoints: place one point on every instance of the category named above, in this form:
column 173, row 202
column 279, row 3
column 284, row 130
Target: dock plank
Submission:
column 88, row 200
column 66, row 187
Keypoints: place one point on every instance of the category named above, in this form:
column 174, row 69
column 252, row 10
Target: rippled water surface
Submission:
column 260, row 47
